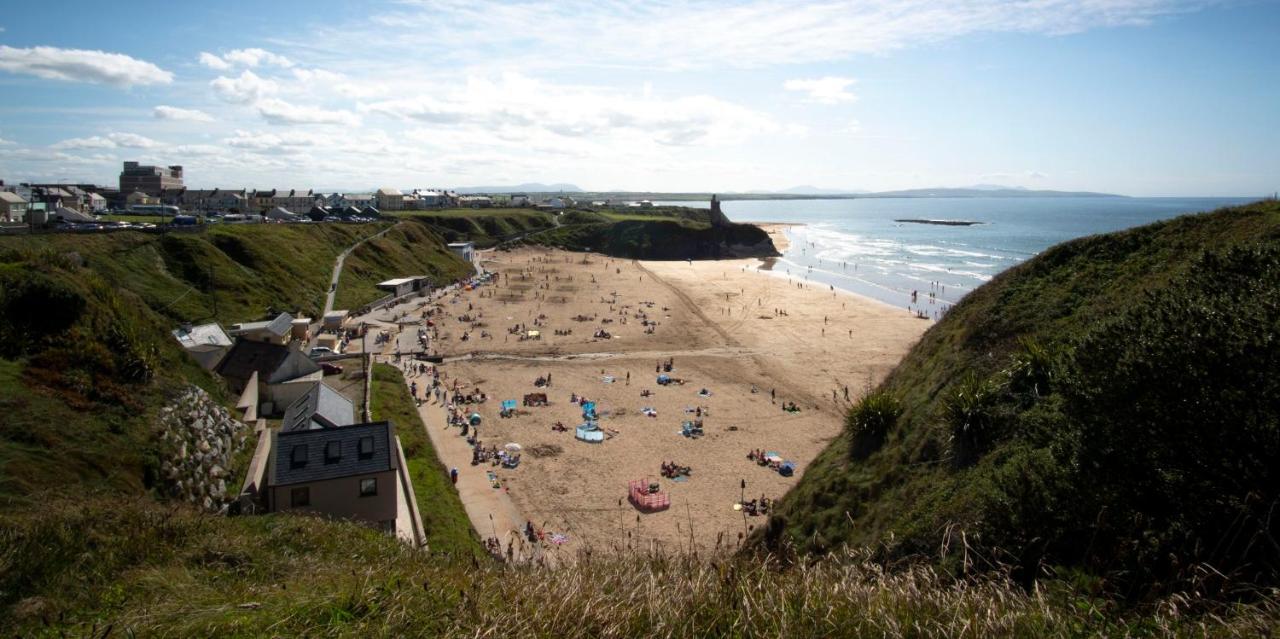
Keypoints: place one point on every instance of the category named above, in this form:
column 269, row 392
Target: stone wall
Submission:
column 199, row 440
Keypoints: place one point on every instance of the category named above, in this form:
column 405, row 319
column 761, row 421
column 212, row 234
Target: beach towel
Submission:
column 508, row 404
column 680, row 478
column 608, row 379
column 557, row 538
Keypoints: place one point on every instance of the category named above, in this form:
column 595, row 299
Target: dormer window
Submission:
column 366, row 447
column 298, row 456
column 332, row 452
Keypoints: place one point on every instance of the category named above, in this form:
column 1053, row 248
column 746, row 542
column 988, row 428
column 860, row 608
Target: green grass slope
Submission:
column 84, row 364
column 664, row 237
column 485, row 227
column 136, row 568
column 407, row 249
column 1109, row 406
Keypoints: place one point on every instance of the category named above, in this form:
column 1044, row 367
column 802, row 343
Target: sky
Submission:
column 1138, row 97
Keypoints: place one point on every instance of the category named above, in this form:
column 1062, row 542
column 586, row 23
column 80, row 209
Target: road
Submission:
column 337, row 269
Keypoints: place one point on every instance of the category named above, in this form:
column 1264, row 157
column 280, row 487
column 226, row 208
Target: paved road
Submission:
column 337, row 269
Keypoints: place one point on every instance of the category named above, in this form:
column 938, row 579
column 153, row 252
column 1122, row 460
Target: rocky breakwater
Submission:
column 199, row 439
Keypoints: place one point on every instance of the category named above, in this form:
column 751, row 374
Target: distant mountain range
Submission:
column 531, row 187
column 795, row 192
column 986, row 190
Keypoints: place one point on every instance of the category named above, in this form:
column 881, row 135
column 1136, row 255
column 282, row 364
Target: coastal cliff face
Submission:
column 1107, row 406
column 665, row 240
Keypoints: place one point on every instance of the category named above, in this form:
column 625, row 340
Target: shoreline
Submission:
column 778, row 234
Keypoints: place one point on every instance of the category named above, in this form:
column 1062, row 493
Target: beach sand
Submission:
column 717, row 320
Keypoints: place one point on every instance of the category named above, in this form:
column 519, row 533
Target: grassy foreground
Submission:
column 133, row 567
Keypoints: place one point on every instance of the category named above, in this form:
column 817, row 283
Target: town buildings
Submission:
column 13, row 208
column 152, row 180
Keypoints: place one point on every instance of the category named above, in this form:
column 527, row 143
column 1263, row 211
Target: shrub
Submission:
column 869, row 422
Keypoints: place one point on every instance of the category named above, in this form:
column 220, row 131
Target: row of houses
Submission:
column 321, row 459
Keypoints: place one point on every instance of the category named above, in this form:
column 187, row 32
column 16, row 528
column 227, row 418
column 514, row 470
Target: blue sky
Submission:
column 1141, row 97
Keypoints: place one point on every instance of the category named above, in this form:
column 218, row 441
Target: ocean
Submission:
column 856, row 244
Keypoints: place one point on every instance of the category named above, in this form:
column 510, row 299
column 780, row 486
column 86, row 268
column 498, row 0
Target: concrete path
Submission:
column 337, row 268
column 490, row 509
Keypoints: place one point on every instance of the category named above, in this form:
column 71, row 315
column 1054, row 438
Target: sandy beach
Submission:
column 753, row 341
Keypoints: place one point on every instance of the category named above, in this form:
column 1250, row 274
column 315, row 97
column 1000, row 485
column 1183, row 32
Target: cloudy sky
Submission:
column 1142, row 97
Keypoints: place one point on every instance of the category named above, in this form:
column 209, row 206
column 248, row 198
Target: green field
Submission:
column 152, row 219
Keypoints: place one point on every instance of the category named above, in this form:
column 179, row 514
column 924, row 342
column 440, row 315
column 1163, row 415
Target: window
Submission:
column 298, row 456
column 300, row 497
column 332, row 452
column 368, row 487
column 366, row 447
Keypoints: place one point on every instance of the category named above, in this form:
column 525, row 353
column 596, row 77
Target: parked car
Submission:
column 330, row 368
column 321, row 351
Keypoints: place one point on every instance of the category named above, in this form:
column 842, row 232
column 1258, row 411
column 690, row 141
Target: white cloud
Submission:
column 278, row 111
column 4, row 142
column 676, row 34
column 81, row 65
column 110, row 141
column 93, row 142
column 258, row 141
column 213, row 61
column 825, row 90
column 198, row 150
column 253, row 57
column 164, row 112
column 519, row 108
column 132, row 141
column 247, row 88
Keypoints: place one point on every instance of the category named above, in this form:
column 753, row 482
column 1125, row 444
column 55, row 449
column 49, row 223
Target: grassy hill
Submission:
column 660, row 233
column 407, row 249
column 1051, row 351
column 1107, row 409
column 132, row 567
column 485, row 227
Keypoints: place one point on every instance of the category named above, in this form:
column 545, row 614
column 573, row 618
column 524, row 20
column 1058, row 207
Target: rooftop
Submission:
column 302, row 456
column 401, row 280
column 202, row 335
column 319, row 407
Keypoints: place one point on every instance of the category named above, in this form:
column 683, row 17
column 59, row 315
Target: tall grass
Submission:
column 140, row 568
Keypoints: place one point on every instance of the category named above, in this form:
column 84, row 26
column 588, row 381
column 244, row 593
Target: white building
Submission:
column 464, row 250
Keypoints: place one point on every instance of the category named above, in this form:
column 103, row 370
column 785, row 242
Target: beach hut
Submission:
column 590, row 433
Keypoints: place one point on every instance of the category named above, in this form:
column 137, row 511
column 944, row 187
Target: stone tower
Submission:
column 717, row 216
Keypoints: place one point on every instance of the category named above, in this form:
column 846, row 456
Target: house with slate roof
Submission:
column 283, row 373
column 319, row 407
column 278, row 330
column 346, row 472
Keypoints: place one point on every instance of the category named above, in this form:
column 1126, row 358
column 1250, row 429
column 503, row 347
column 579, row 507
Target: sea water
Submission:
column 858, row 245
